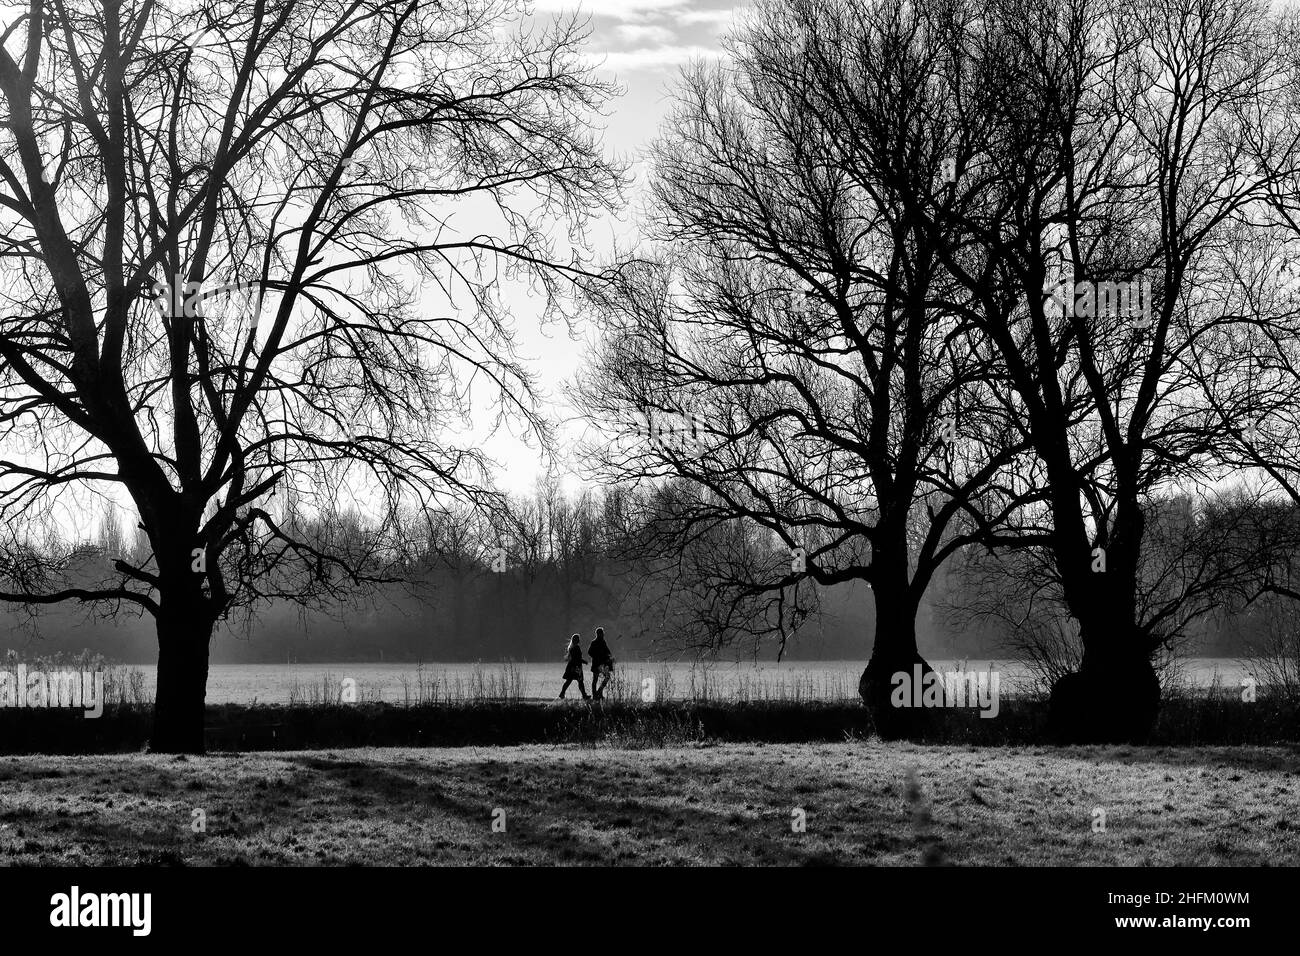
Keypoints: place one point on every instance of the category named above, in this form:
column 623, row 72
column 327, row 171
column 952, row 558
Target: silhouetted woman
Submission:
column 573, row 667
column 602, row 663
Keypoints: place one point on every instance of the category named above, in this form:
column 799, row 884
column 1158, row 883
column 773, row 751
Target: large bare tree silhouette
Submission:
column 252, row 257
column 818, row 368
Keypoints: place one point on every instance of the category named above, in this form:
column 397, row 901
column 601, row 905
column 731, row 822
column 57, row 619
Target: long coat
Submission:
column 573, row 667
column 600, row 655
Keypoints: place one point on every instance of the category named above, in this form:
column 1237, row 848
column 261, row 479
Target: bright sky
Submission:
column 643, row 44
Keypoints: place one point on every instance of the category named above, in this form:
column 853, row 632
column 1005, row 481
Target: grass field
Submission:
column 865, row 803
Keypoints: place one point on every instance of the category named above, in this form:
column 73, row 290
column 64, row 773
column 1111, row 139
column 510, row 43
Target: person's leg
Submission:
column 565, row 687
column 582, row 686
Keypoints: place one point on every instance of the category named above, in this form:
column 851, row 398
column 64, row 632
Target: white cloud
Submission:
column 655, row 58
column 645, row 33
column 630, row 11
column 715, row 18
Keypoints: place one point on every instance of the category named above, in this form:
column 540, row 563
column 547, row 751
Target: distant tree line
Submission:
column 600, row 557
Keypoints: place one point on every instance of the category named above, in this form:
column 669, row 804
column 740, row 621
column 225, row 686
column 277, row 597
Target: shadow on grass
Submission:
column 725, row 805
column 1284, row 759
column 595, row 816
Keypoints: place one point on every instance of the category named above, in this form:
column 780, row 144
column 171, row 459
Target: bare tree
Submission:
column 796, row 352
column 1201, row 560
column 1248, row 365
column 252, row 264
column 1101, row 156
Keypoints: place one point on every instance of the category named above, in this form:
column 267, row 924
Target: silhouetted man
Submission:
column 602, row 663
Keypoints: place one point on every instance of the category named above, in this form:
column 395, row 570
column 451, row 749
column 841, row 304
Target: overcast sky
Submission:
column 643, row 44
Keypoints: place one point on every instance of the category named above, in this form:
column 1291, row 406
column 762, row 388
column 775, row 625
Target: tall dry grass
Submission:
column 123, row 685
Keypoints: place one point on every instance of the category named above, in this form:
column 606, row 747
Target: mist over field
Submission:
column 474, row 614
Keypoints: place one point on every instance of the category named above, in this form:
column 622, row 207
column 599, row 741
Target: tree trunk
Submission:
column 1115, row 696
column 179, row 707
column 894, row 652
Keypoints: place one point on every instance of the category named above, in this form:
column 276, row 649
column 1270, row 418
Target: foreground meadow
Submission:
column 863, row 803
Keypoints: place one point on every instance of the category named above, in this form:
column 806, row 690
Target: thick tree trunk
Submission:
column 179, row 707
column 1115, row 696
column 894, row 652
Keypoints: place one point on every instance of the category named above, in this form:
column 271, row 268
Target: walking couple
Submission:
column 602, row 665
